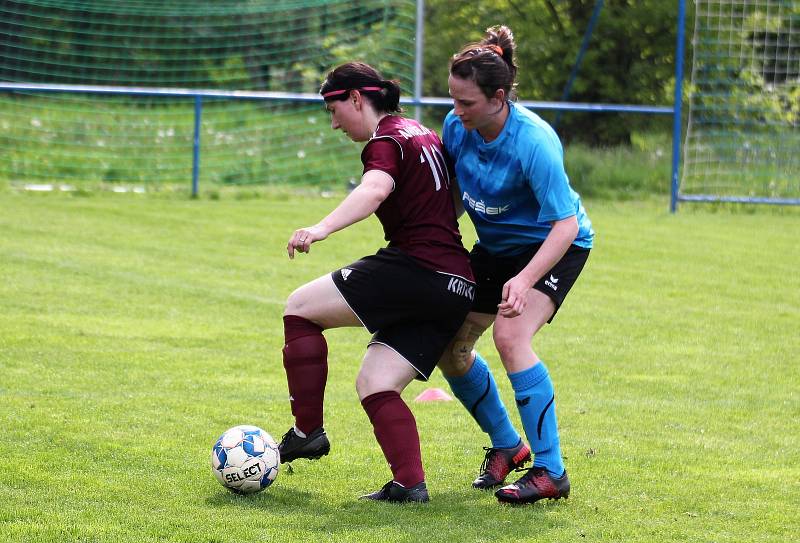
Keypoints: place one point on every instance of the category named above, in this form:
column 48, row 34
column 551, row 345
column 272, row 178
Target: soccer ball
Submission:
column 245, row 459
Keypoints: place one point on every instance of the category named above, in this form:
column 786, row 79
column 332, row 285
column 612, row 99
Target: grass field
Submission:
column 134, row 329
column 116, row 141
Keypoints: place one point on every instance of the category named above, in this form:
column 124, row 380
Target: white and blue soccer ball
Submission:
column 245, row 459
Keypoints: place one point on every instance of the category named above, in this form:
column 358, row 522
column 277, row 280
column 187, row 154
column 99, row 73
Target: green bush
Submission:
column 621, row 172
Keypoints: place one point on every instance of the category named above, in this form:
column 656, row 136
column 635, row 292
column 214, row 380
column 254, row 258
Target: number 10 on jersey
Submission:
column 436, row 163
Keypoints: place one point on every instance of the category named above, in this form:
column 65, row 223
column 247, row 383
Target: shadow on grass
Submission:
column 464, row 515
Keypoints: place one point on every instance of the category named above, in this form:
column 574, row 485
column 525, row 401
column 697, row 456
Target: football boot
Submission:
column 535, row 485
column 397, row 493
column 315, row 445
column 498, row 463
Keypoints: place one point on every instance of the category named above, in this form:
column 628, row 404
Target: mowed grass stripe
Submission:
column 135, row 329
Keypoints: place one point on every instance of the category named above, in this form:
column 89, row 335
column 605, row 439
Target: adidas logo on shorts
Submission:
column 346, row 273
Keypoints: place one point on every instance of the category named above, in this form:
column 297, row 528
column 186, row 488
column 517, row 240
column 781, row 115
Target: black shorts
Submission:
column 410, row 309
column 492, row 272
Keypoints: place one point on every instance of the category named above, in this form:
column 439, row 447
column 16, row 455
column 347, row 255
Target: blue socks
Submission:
column 533, row 391
column 477, row 391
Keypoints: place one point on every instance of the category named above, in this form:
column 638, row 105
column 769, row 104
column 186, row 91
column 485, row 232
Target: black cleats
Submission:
column 498, row 463
column 315, row 445
column 535, row 485
column 396, row 493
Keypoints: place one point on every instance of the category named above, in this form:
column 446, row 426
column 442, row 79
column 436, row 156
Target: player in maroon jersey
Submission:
column 412, row 295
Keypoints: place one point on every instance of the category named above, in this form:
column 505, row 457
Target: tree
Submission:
column 630, row 58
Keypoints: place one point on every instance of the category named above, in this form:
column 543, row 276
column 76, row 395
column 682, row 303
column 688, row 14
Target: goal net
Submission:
column 278, row 46
column 743, row 136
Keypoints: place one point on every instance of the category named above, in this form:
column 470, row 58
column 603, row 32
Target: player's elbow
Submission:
column 567, row 228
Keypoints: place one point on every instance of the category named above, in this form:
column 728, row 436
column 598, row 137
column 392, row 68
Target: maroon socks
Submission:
column 305, row 359
column 396, row 432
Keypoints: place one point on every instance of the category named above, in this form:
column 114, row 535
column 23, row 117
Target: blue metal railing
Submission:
column 199, row 94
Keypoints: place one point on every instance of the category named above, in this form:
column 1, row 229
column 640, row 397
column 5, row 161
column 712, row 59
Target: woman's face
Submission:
column 346, row 115
column 471, row 105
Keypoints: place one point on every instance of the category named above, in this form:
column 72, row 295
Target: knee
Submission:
column 362, row 386
column 458, row 356
column 457, row 359
column 367, row 381
column 368, row 384
column 294, row 304
column 507, row 345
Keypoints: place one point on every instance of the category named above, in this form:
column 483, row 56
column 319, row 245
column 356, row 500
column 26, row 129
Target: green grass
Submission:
column 622, row 172
column 135, row 329
column 91, row 141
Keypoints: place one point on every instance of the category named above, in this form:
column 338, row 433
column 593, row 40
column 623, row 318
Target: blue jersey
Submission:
column 514, row 186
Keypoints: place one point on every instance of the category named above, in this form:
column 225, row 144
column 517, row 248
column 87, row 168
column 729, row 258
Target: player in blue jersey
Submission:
column 534, row 239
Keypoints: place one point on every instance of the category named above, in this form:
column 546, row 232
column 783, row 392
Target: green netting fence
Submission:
column 255, row 45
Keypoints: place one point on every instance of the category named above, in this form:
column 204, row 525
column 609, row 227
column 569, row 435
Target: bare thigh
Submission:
column 320, row 302
column 512, row 337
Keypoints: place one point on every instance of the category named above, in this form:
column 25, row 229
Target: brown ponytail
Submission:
column 489, row 63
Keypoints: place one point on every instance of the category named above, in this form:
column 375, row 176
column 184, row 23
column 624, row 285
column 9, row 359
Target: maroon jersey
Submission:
column 418, row 217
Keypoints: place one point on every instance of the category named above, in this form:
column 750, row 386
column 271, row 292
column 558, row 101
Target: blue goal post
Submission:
column 743, row 128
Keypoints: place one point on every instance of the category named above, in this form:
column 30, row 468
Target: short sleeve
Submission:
column 383, row 154
column 544, row 168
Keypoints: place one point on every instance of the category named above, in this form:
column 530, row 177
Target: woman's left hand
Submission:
column 515, row 297
column 302, row 239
